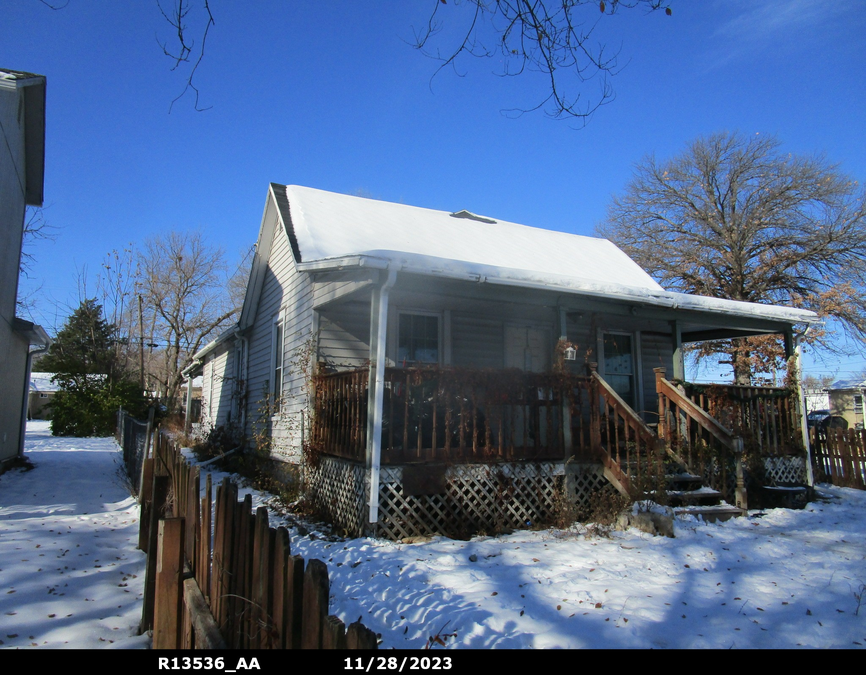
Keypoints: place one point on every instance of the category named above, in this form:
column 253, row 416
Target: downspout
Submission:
column 25, row 407
column 804, row 427
column 187, row 419
column 376, row 389
column 242, row 395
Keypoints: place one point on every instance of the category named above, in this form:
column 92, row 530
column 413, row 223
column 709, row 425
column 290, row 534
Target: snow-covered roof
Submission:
column 42, row 382
column 849, row 383
column 10, row 75
column 329, row 225
column 330, row 230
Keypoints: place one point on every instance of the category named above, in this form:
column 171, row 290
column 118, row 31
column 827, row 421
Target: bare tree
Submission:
column 36, row 228
column 183, row 283
column 185, row 49
column 553, row 38
column 735, row 217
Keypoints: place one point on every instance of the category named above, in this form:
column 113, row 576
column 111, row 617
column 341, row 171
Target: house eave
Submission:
column 32, row 89
column 211, row 346
column 779, row 316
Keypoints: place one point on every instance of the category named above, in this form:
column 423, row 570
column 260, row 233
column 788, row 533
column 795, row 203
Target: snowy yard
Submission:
column 71, row 575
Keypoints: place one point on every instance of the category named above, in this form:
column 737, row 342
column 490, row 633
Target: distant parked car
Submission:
column 815, row 417
column 833, row 422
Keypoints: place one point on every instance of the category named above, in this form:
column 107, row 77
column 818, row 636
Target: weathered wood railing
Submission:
column 839, row 456
column 767, row 418
column 628, row 447
column 340, row 413
column 700, row 442
column 456, row 415
column 218, row 576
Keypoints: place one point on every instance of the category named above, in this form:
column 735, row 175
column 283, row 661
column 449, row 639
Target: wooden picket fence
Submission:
column 839, row 456
column 219, row 577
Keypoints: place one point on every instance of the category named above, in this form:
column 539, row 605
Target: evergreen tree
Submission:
column 92, row 384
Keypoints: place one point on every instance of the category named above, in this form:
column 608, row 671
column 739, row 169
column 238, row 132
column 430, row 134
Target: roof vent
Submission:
column 471, row 216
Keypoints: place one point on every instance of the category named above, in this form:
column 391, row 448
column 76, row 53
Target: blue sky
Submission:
column 333, row 96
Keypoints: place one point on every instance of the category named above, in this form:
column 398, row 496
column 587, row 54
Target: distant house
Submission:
column 22, row 167
column 402, row 350
column 42, row 391
column 848, row 400
column 816, row 398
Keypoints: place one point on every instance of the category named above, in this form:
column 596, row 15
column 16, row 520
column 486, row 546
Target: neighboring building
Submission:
column 377, row 291
column 191, row 399
column 817, row 398
column 848, row 400
column 42, row 391
column 22, row 166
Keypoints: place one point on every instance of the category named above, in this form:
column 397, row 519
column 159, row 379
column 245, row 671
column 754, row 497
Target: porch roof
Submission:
column 330, row 231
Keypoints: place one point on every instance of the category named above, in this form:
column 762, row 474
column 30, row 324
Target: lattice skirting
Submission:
column 338, row 492
column 475, row 498
column 785, row 470
column 776, row 470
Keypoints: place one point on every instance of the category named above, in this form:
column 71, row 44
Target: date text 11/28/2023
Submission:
column 399, row 664
column 366, row 664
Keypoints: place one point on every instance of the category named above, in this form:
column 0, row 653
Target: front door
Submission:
column 618, row 366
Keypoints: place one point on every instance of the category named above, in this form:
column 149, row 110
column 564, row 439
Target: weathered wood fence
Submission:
column 219, row 577
column 839, row 456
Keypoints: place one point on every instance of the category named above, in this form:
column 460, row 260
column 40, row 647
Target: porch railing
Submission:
column 767, row 418
column 463, row 415
column 456, row 415
column 697, row 440
column 627, row 446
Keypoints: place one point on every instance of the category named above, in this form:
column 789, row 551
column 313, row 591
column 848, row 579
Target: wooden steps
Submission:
column 711, row 514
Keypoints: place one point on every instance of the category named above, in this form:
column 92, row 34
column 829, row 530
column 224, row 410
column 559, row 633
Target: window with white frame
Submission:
column 418, row 339
column 277, row 389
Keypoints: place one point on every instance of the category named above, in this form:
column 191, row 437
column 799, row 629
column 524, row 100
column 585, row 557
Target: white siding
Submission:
column 477, row 342
column 218, row 386
column 286, row 293
column 344, row 335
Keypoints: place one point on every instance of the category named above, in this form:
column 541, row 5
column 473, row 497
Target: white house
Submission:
column 365, row 292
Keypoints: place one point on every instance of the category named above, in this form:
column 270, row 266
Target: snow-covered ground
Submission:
column 71, row 575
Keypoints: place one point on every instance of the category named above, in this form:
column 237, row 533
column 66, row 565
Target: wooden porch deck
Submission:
column 462, row 416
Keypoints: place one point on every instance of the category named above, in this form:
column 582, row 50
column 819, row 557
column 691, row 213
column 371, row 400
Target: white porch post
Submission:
column 801, row 402
column 376, row 389
column 187, row 419
column 679, row 358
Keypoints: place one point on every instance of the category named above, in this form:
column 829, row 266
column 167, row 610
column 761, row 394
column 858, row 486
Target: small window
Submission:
column 418, row 341
column 858, row 401
column 278, row 365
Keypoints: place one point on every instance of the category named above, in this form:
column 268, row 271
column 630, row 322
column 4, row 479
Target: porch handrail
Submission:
column 728, row 443
column 625, row 469
column 615, row 400
column 711, row 424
